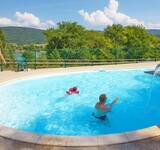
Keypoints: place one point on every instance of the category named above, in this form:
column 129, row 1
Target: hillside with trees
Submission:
column 23, row 35
column 73, row 41
column 69, row 40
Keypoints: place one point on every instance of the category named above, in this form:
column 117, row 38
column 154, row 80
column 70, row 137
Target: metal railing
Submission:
column 56, row 63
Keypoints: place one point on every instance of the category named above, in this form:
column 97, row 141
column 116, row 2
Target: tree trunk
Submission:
column 2, row 57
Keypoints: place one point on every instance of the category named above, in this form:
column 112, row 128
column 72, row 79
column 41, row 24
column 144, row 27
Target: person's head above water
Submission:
column 74, row 88
column 102, row 98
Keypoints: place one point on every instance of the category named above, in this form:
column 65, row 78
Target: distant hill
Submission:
column 155, row 32
column 23, row 35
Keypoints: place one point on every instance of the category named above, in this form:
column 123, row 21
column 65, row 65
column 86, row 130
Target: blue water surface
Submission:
column 40, row 105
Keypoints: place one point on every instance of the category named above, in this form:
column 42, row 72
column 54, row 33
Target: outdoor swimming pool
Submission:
column 40, row 104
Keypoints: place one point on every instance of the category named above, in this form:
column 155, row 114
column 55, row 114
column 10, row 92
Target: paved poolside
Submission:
column 12, row 144
column 9, row 75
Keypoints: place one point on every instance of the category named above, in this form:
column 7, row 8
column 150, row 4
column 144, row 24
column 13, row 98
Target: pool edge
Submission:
column 78, row 141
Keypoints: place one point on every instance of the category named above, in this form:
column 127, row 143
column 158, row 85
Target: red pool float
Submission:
column 73, row 90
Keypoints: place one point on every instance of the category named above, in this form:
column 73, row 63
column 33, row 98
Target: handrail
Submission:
column 88, row 60
column 66, row 63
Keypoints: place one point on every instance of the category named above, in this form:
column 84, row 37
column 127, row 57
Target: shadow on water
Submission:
column 60, row 99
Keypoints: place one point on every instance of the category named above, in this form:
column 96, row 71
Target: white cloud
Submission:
column 6, row 22
column 26, row 20
column 153, row 26
column 96, row 18
column 109, row 16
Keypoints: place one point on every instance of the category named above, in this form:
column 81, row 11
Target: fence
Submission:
column 56, row 63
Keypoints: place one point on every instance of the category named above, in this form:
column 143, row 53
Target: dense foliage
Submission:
column 73, row 41
column 2, row 40
column 70, row 40
column 24, row 35
column 2, row 44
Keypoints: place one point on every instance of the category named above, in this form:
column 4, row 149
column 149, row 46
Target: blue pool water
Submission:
column 40, row 105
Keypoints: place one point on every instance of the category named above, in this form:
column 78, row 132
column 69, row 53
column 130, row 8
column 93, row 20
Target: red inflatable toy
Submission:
column 73, row 90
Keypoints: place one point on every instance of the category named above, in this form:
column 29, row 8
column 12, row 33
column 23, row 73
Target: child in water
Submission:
column 101, row 108
column 73, row 90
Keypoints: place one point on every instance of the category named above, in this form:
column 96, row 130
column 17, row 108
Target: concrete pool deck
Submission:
column 10, row 75
column 11, row 139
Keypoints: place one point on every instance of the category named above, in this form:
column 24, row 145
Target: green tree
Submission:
column 137, row 37
column 116, row 42
column 55, row 54
column 152, row 54
column 66, row 35
column 116, row 33
column 2, row 40
column 139, row 41
column 95, row 39
column 29, row 55
column 2, row 44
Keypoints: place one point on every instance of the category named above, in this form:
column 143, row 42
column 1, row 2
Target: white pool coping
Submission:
column 78, row 141
column 74, row 141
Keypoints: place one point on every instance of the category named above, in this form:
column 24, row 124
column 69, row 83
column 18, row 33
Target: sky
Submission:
column 93, row 14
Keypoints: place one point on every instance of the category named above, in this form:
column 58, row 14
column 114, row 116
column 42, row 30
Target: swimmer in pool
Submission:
column 101, row 108
column 73, row 90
